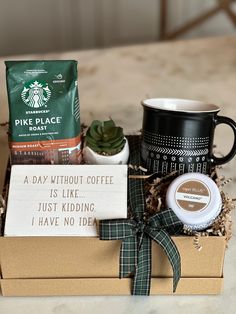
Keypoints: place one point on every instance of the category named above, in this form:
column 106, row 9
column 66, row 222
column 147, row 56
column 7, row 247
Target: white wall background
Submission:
column 28, row 26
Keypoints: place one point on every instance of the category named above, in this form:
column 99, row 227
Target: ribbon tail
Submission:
column 128, row 256
column 121, row 229
column 168, row 245
column 142, row 277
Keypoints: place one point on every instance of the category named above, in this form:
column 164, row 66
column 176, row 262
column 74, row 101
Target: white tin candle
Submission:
column 195, row 199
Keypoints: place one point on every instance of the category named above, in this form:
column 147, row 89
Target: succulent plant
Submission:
column 105, row 138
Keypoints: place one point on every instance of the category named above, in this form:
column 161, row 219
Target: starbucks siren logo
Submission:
column 36, row 94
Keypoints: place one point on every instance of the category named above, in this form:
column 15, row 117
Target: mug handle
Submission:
column 231, row 154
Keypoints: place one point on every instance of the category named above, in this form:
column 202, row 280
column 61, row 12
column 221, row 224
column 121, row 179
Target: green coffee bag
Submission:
column 44, row 112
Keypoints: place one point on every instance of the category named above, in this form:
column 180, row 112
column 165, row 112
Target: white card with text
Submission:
column 64, row 200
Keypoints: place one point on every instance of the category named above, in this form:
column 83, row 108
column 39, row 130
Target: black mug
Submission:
column 178, row 134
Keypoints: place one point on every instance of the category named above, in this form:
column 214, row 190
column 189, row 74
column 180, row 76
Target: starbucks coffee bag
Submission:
column 44, row 112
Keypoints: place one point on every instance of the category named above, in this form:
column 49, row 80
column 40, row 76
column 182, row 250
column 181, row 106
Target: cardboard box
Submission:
column 40, row 266
column 88, row 266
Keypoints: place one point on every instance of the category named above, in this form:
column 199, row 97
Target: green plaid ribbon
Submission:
column 137, row 233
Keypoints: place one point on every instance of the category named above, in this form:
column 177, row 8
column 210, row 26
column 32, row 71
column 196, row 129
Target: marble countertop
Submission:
column 112, row 82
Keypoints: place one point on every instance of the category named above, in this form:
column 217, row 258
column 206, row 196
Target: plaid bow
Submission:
column 137, row 233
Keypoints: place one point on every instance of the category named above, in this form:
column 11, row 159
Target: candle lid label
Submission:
column 193, row 195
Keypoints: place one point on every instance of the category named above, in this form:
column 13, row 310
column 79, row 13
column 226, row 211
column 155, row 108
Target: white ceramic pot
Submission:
column 93, row 158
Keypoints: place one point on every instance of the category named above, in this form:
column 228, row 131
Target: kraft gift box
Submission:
column 48, row 266
column 34, row 266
